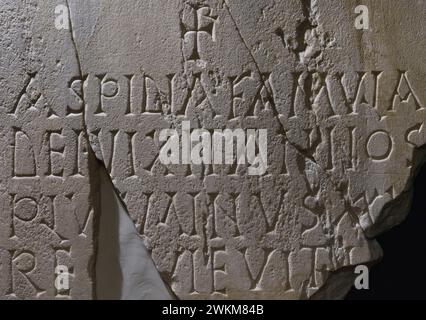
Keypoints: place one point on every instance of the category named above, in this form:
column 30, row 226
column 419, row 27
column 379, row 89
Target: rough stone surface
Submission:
column 344, row 109
column 46, row 209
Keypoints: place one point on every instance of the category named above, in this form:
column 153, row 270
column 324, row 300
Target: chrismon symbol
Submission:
column 196, row 24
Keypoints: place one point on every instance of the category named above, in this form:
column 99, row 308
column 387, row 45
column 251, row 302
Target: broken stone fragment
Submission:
column 342, row 107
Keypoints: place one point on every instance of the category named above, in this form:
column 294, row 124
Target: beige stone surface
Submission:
column 46, row 206
column 344, row 110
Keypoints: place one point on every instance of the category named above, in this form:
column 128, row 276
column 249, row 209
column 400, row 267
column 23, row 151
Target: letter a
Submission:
column 362, row 20
column 62, row 18
column 362, row 281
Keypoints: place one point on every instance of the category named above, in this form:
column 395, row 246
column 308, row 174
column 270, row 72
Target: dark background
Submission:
column 402, row 272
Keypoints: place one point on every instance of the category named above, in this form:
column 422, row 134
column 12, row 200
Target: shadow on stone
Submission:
column 109, row 278
column 124, row 269
column 401, row 273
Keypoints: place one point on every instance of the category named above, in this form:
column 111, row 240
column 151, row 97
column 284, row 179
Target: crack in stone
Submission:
column 307, row 11
column 80, row 70
column 73, row 39
column 302, row 152
column 270, row 95
column 91, row 153
column 308, row 23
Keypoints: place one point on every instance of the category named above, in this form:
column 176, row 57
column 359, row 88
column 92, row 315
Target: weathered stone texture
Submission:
column 344, row 110
column 46, row 212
